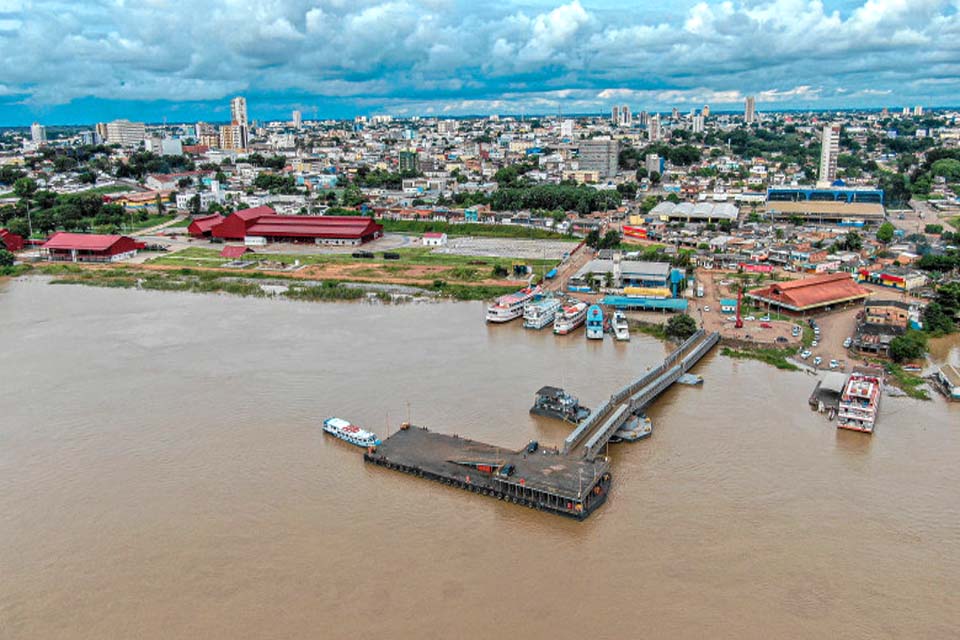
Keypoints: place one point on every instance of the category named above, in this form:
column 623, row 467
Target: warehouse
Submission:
column 10, row 240
column 700, row 212
column 261, row 225
column 89, row 247
column 202, row 227
column 810, row 294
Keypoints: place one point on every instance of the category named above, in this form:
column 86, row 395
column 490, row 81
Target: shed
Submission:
column 234, row 251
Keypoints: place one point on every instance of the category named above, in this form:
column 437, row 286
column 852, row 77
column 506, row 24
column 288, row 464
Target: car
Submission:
column 766, row 325
column 765, row 318
column 815, row 344
column 805, row 354
column 533, row 446
column 817, row 361
column 750, row 318
column 706, row 308
column 834, row 364
column 847, row 343
column 781, row 339
column 507, row 470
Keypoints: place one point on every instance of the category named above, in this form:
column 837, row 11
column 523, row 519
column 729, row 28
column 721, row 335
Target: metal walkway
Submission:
column 588, row 439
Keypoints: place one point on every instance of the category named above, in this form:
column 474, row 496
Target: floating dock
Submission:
column 543, row 480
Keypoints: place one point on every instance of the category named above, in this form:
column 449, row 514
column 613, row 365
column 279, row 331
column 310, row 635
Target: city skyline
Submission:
column 404, row 58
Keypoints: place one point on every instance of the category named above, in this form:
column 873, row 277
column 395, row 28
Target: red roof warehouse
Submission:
column 810, row 294
column 203, row 226
column 10, row 240
column 88, row 247
column 263, row 222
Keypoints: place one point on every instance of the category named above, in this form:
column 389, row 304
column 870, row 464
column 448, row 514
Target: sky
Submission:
column 83, row 61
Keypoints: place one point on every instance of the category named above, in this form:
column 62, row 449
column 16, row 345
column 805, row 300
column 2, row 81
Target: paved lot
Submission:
column 507, row 248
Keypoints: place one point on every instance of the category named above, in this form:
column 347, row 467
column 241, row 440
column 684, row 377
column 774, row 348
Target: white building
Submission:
column 297, row 120
column 750, row 110
column 434, row 239
column 829, row 151
column 698, row 124
column 38, row 133
column 126, row 133
column 566, row 129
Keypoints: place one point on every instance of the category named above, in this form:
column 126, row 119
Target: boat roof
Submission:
column 550, row 391
column 338, row 422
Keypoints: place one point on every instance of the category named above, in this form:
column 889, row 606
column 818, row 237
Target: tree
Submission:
column 935, row 319
column 25, row 187
column 593, row 239
column 852, row 241
column 681, row 327
column 885, row 232
column 6, row 258
column 910, row 346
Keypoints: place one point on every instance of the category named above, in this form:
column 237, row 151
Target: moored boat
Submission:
column 539, row 313
column 554, row 402
column 638, row 427
column 570, row 317
column 621, row 330
column 860, row 400
column 510, row 306
column 595, row 322
column 343, row 429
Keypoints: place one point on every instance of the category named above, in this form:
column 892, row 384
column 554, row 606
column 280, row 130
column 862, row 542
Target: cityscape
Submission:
column 263, row 338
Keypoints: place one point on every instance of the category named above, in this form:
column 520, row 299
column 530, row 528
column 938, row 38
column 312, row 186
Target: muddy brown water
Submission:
column 163, row 475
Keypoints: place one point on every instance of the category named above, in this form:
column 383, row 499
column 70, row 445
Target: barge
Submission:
column 554, row 402
column 545, row 480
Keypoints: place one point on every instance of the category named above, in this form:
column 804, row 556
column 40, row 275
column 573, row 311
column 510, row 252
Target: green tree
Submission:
column 25, row 187
column 935, row 319
column 852, row 241
column 6, row 258
column 910, row 346
column 681, row 327
column 885, row 232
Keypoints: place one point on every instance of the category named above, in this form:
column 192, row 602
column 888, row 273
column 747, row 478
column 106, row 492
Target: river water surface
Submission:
column 163, row 475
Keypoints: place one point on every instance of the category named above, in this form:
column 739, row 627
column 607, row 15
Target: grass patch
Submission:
column 955, row 222
column 473, row 229
column 15, row 270
column 112, row 188
column 181, row 224
column 775, row 357
column 907, row 382
column 329, row 290
column 151, row 221
column 658, row 331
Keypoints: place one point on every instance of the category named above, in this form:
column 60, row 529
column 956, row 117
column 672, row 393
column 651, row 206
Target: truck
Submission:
column 699, row 290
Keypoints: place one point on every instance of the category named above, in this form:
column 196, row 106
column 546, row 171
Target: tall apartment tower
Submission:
column 626, row 118
column 297, row 120
column 615, row 116
column 829, row 150
column 238, row 118
column 705, row 112
column 599, row 155
column 698, row 124
column 38, row 133
column 918, row 110
column 750, row 110
column 566, row 129
column 653, row 127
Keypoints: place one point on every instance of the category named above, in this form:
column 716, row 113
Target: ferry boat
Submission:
column 638, row 427
column 348, row 432
column 570, row 317
column 594, row 323
column 554, row 402
column 510, row 307
column 860, row 400
column 540, row 313
column 621, row 330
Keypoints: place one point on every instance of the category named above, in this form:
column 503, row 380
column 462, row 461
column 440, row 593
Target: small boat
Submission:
column 554, row 402
column 343, row 429
column 510, row 307
column 638, row 427
column 690, row 379
column 595, row 322
column 539, row 313
column 621, row 330
column 570, row 317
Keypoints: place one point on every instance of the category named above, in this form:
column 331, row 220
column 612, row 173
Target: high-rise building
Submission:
column 448, row 126
column 38, row 133
column 653, row 127
column 615, row 115
column 829, row 150
column 232, row 136
column 297, row 120
column 409, row 162
column 101, row 131
column 566, row 129
column 653, row 163
column 918, row 110
column 600, row 155
column 675, row 114
column 125, row 133
column 643, row 118
column 698, row 124
column 705, row 112
column 238, row 119
column 750, row 110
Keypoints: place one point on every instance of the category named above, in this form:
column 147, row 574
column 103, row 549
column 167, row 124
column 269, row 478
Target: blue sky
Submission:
column 82, row 61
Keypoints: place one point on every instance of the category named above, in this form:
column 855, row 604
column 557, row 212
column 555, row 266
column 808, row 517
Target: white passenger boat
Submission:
column 348, row 432
column 570, row 317
column 510, row 307
column 621, row 330
column 539, row 313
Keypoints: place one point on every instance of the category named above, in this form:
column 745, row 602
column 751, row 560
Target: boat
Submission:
column 637, row 427
column 621, row 329
column 348, row 432
column 554, row 402
column 690, row 379
column 595, row 322
column 539, row 313
column 510, row 306
column 860, row 400
column 570, row 317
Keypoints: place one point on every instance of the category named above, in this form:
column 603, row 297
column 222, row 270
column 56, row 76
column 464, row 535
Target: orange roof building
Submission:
column 810, row 294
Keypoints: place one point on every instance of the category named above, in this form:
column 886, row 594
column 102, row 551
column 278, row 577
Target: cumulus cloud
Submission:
column 457, row 57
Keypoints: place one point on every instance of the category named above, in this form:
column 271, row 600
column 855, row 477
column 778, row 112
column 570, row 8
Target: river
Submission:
column 163, row 475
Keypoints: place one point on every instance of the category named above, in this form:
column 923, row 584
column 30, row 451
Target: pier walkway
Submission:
column 589, row 439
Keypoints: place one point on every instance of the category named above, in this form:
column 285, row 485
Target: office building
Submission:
column 297, row 120
column 750, row 110
column 38, row 133
column 599, row 155
column 829, row 150
column 126, row 133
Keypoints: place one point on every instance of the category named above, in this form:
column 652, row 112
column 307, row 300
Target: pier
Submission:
column 572, row 481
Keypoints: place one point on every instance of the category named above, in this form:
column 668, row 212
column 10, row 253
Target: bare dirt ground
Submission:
column 715, row 320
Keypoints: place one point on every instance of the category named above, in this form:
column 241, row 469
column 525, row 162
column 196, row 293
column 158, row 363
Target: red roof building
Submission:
column 264, row 225
column 811, row 294
column 202, row 227
column 89, row 247
column 234, row 251
column 10, row 240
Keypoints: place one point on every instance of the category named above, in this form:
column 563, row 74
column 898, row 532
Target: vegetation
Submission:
column 907, row 382
column 6, row 258
column 680, row 327
column 610, row 240
column 885, row 232
column 909, row 347
column 473, row 229
column 775, row 357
